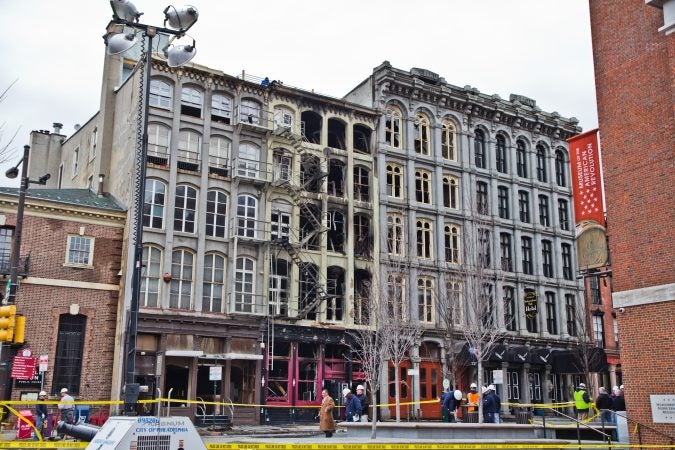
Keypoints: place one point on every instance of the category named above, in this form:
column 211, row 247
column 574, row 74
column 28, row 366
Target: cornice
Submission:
column 8, row 205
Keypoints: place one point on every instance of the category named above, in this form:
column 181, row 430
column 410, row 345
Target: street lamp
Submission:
column 179, row 22
column 13, row 172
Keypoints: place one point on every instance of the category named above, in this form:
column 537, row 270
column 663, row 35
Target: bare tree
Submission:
column 7, row 149
column 585, row 353
column 450, row 314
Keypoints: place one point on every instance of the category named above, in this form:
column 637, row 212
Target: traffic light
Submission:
column 7, row 323
column 19, row 329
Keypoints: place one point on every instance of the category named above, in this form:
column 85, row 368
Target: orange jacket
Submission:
column 473, row 400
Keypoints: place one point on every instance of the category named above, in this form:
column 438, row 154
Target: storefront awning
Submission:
column 185, row 353
column 231, row 355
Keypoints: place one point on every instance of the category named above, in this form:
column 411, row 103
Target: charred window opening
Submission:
column 335, row 287
column 361, row 184
column 363, row 241
column 363, row 284
column 310, row 225
column 336, row 178
column 191, row 102
column 311, row 126
column 279, row 287
column 310, row 173
column 336, row 231
column 362, row 136
column 336, row 134
column 308, row 287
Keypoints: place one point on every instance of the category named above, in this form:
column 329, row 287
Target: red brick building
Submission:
column 635, row 80
column 69, row 276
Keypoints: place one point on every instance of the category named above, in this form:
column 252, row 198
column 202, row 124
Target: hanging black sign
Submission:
column 530, row 301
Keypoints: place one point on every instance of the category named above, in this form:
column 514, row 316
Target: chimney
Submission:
column 57, row 127
column 99, row 192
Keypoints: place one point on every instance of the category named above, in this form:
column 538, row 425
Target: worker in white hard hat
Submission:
column 473, row 397
column 41, row 412
column 365, row 404
column 66, row 410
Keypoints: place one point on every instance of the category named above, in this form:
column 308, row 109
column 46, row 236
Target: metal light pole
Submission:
column 125, row 13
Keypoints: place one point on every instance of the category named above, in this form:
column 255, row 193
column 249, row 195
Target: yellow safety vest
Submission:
column 579, row 402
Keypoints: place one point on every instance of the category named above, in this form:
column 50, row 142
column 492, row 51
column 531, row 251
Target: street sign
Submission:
column 216, row 373
column 44, row 363
column 413, row 372
column 23, row 368
column 498, row 376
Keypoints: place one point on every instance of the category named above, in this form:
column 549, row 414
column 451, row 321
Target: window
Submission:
column 615, row 324
column 361, row 184
column 425, row 299
column 397, row 305
column 510, row 321
column 542, row 174
column 69, row 353
column 279, row 287
column 392, row 127
column 214, row 283
column 503, row 199
column 526, row 248
column 551, row 324
column 221, row 109
column 521, row 159
column 307, row 287
column 479, row 149
column 524, row 206
column 423, row 186
column 248, row 161
column 394, row 180
column 159, row 141
column 566, row 251
column 424, row 236
column 282, row 167
column 76, row 154
column 283, row 117
column 531, row 320
column 506, row 254
column 247, row 207
column 191, row 102
column 563, row 215
column 482, row 198
column 152, row 261
column 6, row 239
column 244, row 285
column 571, row 314
column 161, row 94
column 450, row 192
column 484, row 250
column 500, row 155
column 594, row 287
column 335, row 286
column 180, row 290
column 598, row 331
column 219, row 155
column 487, row 309
column 454, row 293
column 362, row 237
column 216, row 213
column 395, row 235
column 80, row 251
column 547, row 258
column 153, row 204
column 560, row 176
column 513, row 385
column 280, row 226
column 250, row 112
column 421, row 134
column 448, row 140
column 94, row 144
column 544, row 217
column 189, row 146
column 452, row 243
column 184, row 213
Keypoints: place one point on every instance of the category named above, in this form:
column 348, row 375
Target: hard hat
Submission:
column 582, row 385
column 615, row 388
column 360, row 386
column 484, row 389
column 42, row 394
column 492, row 388
column 346, row 391
column 473, row 386
column 458, row 394
column 621, row 387
column 64, row 390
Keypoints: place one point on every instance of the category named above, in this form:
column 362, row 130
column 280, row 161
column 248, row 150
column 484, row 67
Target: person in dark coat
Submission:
column 490, row 402
column 41, row 412
column 604, row 403
column 363, row 399
column 451, row 401
column 618, row 402
column 352, row 406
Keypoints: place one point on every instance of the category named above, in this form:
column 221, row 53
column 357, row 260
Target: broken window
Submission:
column 279, row 286
column 397, row 303
column 250, row 111
column 311, row 126
column 395, row 234
column 191, row 102
column 280, row 226
column 336, row 134
column 282, row 166
column 361, row 184
column 362, row 136
column 336, row 178
column 336, row 231
column 335, row 287
column 310, row 173
column 361, row 299
column 362, row 238
column 308, row 287
column 310, row 225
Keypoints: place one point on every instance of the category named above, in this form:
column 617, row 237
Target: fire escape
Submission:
column 297, row 188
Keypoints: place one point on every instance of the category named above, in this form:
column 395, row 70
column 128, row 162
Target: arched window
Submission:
column 161, row 94
column 248, row 160
column 521, row 158
column 423, row 186
column 560, row 171
column 425, row 299
column 452, row 243
column 189, row 146
column 424, row 239
column 479, row 148
column 247, row 214
column 185, row 210
column 153, row 204
column 191, row 101
column 395, row 235
column 219, row 155
column 422, row 134
column 182, row 266
column 449, row 140
column 152, row 262
column 244, row 286
column 394, row 180
column 542, row 173
column 159, row 143
column 393, row 126
column 216, row 213
column 361, row 184
column 450, row 192
column 214, row 283
column 279, row 288
column 335, row 287
column 500, row 154
column 250, row 112
column 221, row 109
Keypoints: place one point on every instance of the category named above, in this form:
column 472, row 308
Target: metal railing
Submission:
column 605, row 436
column 639, row 426
column 252, row 170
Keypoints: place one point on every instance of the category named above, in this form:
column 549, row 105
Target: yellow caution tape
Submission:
column 43, row 444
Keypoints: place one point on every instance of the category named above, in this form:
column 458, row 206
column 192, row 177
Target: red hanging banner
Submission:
column 586, row 177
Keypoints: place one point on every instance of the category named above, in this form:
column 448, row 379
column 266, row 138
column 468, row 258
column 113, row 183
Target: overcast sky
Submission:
column 537, row 48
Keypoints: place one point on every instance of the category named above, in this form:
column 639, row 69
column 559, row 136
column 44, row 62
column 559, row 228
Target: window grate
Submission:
column 154, row 442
